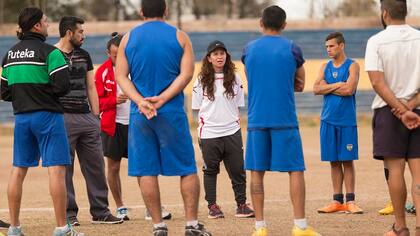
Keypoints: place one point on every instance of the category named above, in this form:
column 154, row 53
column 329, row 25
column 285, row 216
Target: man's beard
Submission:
column 383, row 21
column 75, row 43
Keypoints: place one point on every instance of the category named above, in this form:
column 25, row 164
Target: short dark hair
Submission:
column 29, row 17
column 273, row 17
column 115, row 40
column 338, row 36
column 69, row 23
column 397, row 9
column 153, row 8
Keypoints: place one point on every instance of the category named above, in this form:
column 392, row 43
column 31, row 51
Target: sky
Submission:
column 299, row 9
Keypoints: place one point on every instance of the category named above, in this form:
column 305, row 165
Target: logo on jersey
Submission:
column 20, row 54
column 335, row 74
column 349, row 147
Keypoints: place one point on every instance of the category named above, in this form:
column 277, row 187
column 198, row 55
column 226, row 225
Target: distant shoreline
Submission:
column 221, row 25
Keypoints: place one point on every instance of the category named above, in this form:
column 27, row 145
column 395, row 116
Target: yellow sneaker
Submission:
column 352, row 208
column 1, row 234
column 333, row 207
column 261, row 232
column 388, row 210
column 307, row 232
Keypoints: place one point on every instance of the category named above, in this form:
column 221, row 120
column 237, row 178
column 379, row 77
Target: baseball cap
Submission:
column 215, row 45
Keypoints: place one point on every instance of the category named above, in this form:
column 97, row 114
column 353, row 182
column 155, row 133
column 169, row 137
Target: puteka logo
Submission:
column 20, row 54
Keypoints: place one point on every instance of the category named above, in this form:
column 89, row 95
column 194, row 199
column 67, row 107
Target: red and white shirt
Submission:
column 220, row 117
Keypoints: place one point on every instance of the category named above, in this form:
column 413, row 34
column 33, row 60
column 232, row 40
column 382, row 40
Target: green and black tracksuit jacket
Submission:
column 34, row 75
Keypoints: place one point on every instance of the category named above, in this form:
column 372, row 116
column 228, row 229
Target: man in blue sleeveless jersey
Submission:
column 274, row 67
column 160, row 61
column 337, row 81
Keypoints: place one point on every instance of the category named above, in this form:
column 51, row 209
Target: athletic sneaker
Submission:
column 307, row 232
column 244, row 211
column 388, row 210
column 199, row 230
column 352, row 208
column 122, row 213
column 4, row 224
column 410, row 208
column 160, row 231
column 260, row 232
column 72, row 220
column 333, row 207
column 215, row 212
column 109, row 219
column 166, row 215
column 69, row 231
column 15, row 231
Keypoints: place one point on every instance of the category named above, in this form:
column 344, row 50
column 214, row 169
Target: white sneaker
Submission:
column 166, row 215
column 69, row 231
column 122, row 213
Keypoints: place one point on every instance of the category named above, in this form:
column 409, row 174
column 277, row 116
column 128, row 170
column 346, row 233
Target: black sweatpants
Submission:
column 228, row 149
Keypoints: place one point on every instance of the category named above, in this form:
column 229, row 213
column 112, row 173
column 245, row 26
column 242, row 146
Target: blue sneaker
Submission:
column 15, row 231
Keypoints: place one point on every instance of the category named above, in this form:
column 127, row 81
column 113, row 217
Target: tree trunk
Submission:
column 179, row 13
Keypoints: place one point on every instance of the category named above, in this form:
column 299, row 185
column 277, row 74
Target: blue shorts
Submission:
column 160, row 146
column 40, row 134
column 338, row 143
column 274, row 150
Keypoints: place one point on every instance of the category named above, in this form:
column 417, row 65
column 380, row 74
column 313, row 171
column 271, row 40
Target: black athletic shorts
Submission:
column 391, row 138
column 116, row 147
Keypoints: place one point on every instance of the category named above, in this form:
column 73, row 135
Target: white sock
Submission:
column 62, row 228
column 260, row 224
column 161, row 224
column 193, row 223
column 301, row 223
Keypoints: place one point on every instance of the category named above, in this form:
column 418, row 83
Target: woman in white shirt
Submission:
column 217, row 94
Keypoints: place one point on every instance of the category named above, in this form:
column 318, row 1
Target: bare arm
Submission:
column 380, row 86
column 92, row 93
column 121, row 76
column 414, row 101
column 300, row 79
column 321, row 87
column 185, row 76
column 350, row 86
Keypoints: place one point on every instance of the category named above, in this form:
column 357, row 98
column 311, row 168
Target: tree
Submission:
column 251, row 8
column 357, row 8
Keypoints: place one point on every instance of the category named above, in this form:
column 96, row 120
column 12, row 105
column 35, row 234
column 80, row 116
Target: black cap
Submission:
column 215, row 45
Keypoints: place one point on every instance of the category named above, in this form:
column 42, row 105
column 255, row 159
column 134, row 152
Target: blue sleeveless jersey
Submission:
column 154, row 58
column 271, row 63
column 338, row 110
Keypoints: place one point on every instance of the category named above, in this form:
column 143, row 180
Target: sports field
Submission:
column 37, row 215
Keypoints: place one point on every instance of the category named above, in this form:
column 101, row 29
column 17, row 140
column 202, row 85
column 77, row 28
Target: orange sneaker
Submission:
column 333, row 207
column 352, row 208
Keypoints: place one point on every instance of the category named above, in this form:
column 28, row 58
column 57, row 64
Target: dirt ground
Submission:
column 37, row 216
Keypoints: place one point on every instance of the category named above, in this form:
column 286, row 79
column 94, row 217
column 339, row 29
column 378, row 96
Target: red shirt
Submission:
column 107, row 93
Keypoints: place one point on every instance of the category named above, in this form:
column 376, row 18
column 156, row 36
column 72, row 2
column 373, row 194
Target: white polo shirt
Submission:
column 220, row 117
column 396, row 52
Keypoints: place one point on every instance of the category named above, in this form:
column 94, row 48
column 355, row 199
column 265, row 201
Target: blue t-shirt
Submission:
column 154, row 58
column 338, row 110
column 270, row 64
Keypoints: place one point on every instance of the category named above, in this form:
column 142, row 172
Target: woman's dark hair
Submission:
column 115, row 40
column 28, row 17
column 206, row 76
